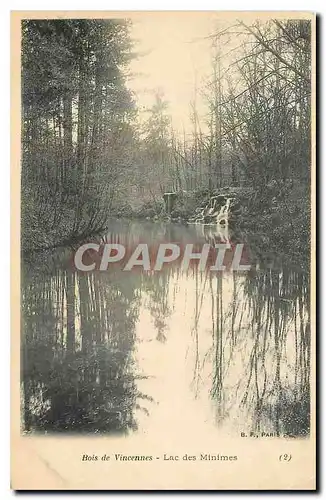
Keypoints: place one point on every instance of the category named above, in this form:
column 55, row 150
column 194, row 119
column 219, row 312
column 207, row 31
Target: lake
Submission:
column 124, row 352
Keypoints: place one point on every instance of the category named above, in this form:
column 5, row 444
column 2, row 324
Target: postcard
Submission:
column 163, row 250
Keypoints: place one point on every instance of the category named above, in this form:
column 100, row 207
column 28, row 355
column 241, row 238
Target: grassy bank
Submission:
column 276, row 218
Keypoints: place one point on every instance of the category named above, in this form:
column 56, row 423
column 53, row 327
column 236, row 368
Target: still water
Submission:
column 124, row 352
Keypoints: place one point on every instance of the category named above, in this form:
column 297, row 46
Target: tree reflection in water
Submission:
column 248, row 336
column 260, row 351
column 78, row 367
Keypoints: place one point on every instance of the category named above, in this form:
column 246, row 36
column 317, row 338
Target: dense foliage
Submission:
column 87, row 157
column 77, row 115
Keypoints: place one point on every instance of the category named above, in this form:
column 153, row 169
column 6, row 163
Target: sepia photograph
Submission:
column 166, row 214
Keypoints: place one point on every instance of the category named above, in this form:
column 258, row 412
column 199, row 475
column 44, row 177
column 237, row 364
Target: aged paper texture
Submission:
column 163, row 250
